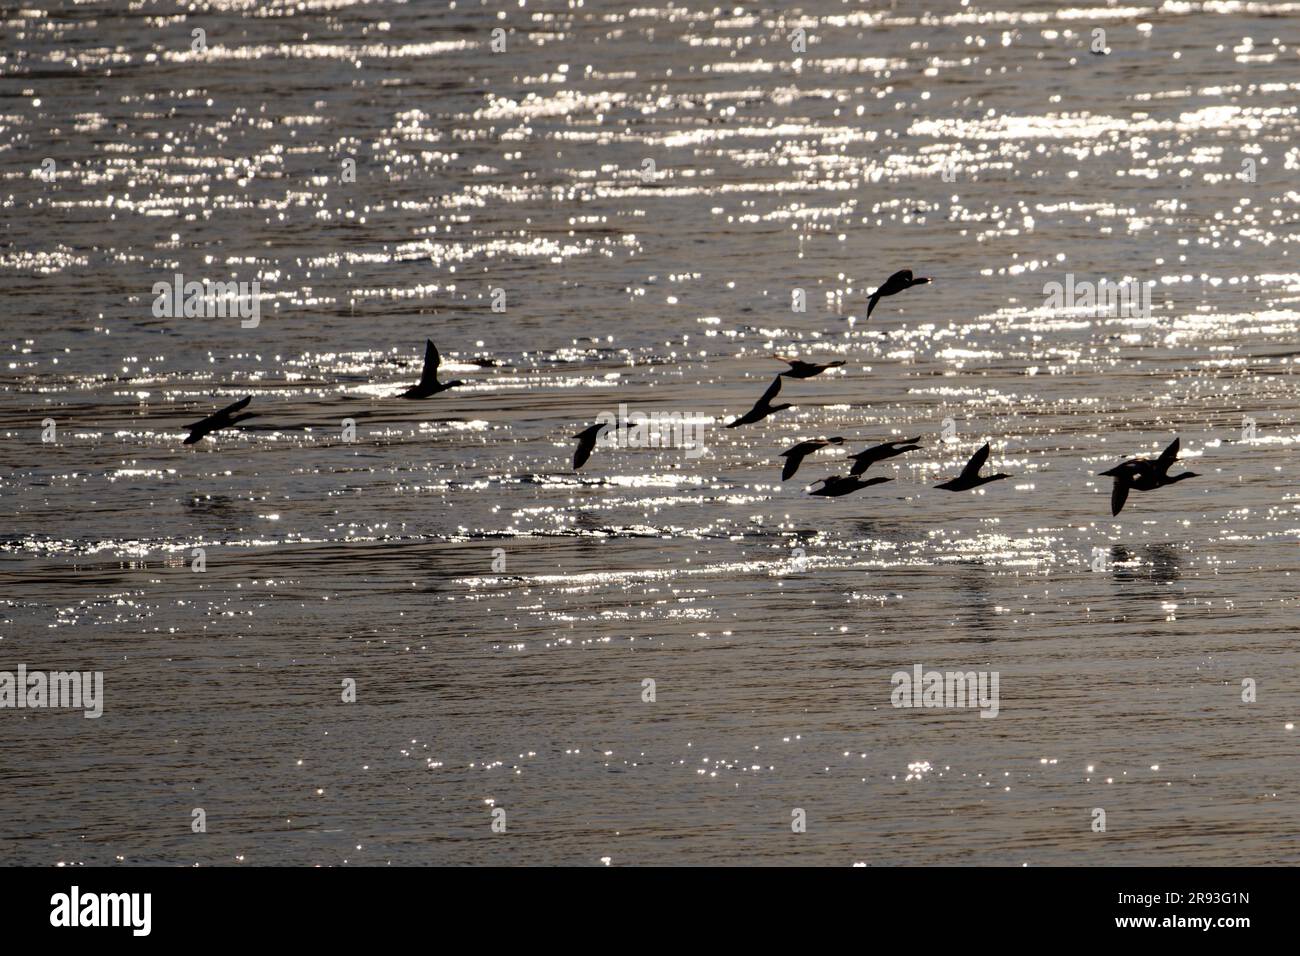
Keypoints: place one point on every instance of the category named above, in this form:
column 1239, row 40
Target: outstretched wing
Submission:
column 586, row 444
column 791, row 466
column 1118, row 495
column 772, row 391
column 222, row 413
column 1167, row 457
column 871, row 303
column 431, row 362
column 237, row 406
column 976, row 462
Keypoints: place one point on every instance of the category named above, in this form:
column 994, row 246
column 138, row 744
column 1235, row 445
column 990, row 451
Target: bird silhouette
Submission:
column 1143, row 474
column 428, row 386
column 801, row 369
column 838, row 485
column 970, row 476
column 894, row 285
column 226, row 418
column 763, row 407
column 586, row 444
column 865, row 459
column 795, row 456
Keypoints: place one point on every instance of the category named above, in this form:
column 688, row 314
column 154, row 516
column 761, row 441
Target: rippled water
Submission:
column 770, row 621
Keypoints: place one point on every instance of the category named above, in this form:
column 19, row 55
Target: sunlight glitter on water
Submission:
column 762, row 613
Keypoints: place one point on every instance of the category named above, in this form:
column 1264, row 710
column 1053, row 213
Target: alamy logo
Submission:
column 653, row 430
column 37, row 689
column 922, row 688
column 1103, row 298
column 208, row 300
column 74, row 909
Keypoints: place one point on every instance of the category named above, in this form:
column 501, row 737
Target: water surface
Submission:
column 769, row 621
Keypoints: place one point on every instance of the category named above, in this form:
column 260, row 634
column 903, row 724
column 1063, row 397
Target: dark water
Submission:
column 520, row 687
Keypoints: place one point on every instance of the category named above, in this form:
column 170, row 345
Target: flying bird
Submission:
column 970, row 476
column 795, row 456
column 586, row 444
column 428, row 386
column 894, row 285
column 226, row 418
column 837, row 485
column 763, row 407
column 801, row 369
column 865, row 459
column 1143, row 474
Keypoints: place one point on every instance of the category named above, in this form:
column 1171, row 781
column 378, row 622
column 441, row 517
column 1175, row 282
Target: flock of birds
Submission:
column 1135, row 474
